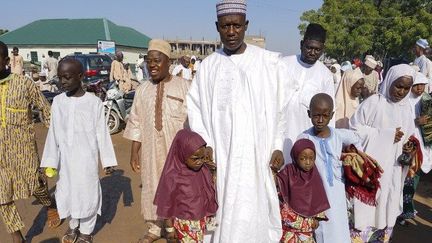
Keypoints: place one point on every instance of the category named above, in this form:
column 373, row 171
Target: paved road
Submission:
column 122, row 221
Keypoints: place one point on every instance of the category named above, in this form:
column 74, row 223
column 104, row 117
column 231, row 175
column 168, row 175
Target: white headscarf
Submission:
column 346, row 66
column 392, row 75
column 345, row 104
column 420, row 78
column 337, row 74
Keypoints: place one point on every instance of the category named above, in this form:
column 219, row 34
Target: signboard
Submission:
column 106, row 47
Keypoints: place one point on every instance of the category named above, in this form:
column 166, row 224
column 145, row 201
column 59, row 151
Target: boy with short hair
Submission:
column 329, row 143
column 77, row 134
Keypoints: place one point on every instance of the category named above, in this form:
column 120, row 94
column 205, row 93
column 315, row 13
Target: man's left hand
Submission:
column 277, row 160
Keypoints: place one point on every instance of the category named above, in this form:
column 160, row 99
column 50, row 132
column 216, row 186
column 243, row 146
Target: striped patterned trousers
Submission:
column 9, row 212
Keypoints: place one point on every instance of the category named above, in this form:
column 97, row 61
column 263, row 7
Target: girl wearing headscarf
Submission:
column 336, row 70
column 186, row 196
column 347, row 97
column 422, row 155
column 383, row 123
column 301, row 211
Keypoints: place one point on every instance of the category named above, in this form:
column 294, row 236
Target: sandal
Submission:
column 53, row 218
column 70, row 236
column 109, row 170
column 83, row 238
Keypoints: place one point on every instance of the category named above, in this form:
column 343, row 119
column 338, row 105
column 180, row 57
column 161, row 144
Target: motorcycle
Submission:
column 97, row 87
column 117, row 107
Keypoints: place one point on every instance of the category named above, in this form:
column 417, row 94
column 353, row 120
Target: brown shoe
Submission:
column 53, row 218
column 83, row 238
column 70, row 236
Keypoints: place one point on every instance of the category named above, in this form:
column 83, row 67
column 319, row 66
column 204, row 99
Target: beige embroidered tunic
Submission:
column 158, row 113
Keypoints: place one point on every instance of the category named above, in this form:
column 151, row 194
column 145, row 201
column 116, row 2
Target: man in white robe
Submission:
column 308, row 78
column 371, row 77
column 235, row 104
column 183, row 70
column 422, row 61
column 51, row 65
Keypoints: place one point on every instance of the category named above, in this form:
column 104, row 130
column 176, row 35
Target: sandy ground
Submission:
column 122, row 222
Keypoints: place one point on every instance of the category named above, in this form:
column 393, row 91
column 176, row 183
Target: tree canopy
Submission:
column 383, row 28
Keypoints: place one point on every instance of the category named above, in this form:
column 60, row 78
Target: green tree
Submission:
column 379, row 27
column 2, row 31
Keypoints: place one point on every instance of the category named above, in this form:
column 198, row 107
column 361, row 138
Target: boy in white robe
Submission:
column 385, row 124
column 77, row 134
column 329, row 143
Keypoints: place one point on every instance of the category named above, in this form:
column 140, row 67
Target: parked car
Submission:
column 96, row 66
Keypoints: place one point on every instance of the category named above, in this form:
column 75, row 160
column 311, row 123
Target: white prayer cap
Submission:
column 228, row 7
column 423, row 43
column 160, row 46
column 346, row 66
column 193, row 57
column 333, row 61
column 42, row 74
column 369, row 57
column 371, row 63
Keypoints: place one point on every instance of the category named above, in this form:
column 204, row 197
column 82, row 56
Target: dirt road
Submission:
column 122, row 221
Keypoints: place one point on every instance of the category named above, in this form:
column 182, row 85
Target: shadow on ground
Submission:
column 114, row 187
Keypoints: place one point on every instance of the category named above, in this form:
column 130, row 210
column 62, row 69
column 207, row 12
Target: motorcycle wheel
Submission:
column 113, row 122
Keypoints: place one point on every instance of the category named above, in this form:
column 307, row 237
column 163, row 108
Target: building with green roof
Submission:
column 68, row 36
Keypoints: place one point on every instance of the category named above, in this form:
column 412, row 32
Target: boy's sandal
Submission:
column 83, row 238
column 70, row 236
column 109, row 170
column 53, row 218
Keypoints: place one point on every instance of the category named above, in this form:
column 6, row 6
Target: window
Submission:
column 99, row 61
column 33, row 56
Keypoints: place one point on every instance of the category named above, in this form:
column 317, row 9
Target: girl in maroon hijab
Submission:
column 186, row 196
column 302, row 195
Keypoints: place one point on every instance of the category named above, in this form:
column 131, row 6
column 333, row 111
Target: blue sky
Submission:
column 277, row 20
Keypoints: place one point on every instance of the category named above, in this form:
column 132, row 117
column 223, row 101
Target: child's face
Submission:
column 320, row 115
column 70, row 76
column 356, row 89
column 196, row 160
column 400, row 88
column 418, row 89
column 306, row 159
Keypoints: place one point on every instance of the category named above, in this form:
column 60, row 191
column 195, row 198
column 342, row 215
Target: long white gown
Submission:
column 236, row 104
column 78, row 136
column 376, row 120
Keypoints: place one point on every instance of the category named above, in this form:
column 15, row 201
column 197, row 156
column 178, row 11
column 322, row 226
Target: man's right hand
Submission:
column 135, row 162
column 135, row 156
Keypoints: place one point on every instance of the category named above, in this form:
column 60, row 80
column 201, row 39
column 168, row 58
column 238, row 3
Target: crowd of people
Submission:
column 245, row 146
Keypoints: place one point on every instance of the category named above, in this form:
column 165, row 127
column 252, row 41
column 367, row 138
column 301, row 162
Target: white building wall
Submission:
column 131, row 55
